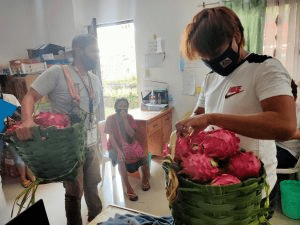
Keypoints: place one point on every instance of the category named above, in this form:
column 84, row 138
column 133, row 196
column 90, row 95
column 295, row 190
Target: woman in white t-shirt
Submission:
column 246, row 93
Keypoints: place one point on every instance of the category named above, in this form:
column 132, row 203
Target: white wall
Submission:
column 30, row 23
column 166, row 19
column 18, row 29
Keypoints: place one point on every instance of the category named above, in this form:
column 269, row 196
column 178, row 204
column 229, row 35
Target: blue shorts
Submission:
column 131, row 168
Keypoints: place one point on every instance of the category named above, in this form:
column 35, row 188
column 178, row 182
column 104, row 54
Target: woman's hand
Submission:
column 24, row 131
column 123, row 115
column 198, row 122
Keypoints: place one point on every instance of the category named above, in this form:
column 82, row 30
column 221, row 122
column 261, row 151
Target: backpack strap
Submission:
column 73, row 92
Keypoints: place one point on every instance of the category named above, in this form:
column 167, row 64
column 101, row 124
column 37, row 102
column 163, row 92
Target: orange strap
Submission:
column 73, row 92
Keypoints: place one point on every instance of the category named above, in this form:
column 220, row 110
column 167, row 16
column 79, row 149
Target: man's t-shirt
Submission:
column 52, row 83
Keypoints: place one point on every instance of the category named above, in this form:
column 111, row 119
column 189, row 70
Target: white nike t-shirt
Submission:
column 256, row 79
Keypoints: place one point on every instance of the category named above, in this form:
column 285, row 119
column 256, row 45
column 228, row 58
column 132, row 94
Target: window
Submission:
column 281, row 34
column 118, row 63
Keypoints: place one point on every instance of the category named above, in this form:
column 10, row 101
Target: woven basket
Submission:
column 53, row 154
column 237, row 204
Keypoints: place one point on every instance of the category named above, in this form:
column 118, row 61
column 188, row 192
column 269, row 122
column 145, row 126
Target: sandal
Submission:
column 132, row 197
column 146, row 187
column 25, row 183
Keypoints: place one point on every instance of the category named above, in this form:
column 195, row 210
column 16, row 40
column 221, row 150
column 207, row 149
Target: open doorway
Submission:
column 118, row 63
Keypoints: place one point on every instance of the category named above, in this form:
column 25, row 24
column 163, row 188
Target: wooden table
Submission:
column 110, row 212
column 154, row 129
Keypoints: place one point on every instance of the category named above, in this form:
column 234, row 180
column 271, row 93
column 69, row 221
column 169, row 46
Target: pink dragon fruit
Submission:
column 229, row 137
column 215, row 147
column 221, row 144
column 12, row 128
column 225, row 179
column 182, row 148
column 196, row 140
column 200, row 168
column 244, row 165
column 166, row 150
column 47, row 119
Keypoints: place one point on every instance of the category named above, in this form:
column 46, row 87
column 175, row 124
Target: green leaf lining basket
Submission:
column 237, row 204
column 52, row 154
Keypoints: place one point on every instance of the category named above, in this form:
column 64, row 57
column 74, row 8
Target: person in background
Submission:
column 246, row 93
column 25, row 174
column 288, row 152
column 73, row 89
column 123, row 147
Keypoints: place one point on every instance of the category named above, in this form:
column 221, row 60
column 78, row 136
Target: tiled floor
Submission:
column 153, row 201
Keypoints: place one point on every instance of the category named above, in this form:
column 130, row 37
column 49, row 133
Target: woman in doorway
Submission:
column 124, row 149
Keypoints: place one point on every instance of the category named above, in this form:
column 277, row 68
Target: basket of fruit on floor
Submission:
column 210, row 180
column 54, row 152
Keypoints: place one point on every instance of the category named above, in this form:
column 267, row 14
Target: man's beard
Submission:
column 89, row 63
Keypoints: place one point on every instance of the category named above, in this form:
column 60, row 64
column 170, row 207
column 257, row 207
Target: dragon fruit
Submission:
column 225, row 179
column 215, row 147
column 221, row 144
column 196, row 140
column 200, row 168
column 47, row 119
column 244, row 165
column 166, row 150
column 182, row 148
column 11, row 129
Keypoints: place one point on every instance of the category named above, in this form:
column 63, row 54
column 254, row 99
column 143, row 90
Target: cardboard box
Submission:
column 26, row 67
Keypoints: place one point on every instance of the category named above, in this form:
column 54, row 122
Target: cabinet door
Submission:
column 155, row 137
column 166, row 127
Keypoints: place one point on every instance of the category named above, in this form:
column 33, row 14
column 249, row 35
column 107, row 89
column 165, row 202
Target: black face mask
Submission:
column 89, row 63
column 226, row 63
column 119, row 110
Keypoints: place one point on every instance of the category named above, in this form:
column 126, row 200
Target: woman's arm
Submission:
column 276, row 122
column 116, row 147
column 297, row 135
column 129, row 130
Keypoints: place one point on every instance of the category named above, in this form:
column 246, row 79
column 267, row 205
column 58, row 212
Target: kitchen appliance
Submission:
column 161, row 96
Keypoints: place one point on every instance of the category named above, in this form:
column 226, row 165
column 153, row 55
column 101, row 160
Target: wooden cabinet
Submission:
column 154, row 129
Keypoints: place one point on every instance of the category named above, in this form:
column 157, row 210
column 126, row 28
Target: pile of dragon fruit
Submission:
column 48, row 119
column 45, row 119
column 215, row 158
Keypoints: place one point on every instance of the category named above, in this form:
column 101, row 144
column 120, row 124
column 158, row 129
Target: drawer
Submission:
column 154, row 126
column 167, row 120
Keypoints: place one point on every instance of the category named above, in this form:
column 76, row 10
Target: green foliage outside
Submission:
column 120, row 88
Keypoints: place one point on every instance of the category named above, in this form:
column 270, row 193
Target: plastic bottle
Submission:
column 158, row 99
column 152, row 98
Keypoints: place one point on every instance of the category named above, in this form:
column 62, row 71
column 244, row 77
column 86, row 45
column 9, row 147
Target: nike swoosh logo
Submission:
column 232, row 94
